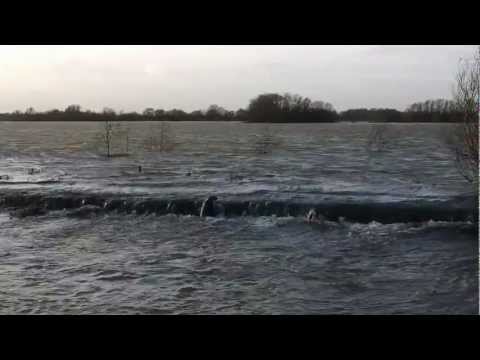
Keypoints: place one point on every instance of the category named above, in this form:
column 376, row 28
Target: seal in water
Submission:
column 139, row 168
column 208, row 207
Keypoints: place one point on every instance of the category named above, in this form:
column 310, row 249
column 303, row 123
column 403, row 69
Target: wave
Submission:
column 23, row 204
column 39, row 182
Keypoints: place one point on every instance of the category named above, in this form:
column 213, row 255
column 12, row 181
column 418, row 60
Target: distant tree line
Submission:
column 372, row 115
column 75, row 113
column 289, row 108
column 271, row 107
column 439, row 110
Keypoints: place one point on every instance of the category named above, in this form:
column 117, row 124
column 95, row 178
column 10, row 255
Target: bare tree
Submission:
column 126, row 132
column 73, row 109
column 107, row 137
column 107, row 132
column 30, row 111
column 149, row 112
column 161, row 138
column 464, row 139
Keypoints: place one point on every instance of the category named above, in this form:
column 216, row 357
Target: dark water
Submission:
column 170, row 264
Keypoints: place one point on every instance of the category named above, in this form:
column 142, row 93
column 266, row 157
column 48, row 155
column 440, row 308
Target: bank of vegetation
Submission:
column 266, row 108
column 439, row 110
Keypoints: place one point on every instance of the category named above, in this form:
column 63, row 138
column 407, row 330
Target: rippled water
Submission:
column 311, row 160
column 169, row 264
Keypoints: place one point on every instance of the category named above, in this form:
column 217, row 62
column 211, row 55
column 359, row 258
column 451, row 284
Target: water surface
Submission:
column 119, row 263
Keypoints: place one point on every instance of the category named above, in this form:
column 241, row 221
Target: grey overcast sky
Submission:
column 131, row 78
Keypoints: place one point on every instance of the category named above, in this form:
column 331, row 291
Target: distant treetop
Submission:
column 268, row 107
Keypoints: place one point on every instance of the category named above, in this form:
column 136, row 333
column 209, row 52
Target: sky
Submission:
column 193, row 77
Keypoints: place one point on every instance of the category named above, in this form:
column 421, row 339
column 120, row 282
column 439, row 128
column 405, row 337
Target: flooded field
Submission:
column 112, row 239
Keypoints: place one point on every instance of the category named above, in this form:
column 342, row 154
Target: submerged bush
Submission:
column 379, row 137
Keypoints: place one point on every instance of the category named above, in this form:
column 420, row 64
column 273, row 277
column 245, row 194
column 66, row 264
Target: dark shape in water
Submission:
column 30, row 211
column 33, row 171
column 61, row 203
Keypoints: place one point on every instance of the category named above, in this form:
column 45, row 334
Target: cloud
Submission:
column 192, row 77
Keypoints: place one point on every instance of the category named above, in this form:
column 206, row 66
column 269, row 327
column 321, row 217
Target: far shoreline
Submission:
column 237, row 121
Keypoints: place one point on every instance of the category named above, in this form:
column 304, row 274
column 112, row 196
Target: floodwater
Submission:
column 141, row 262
